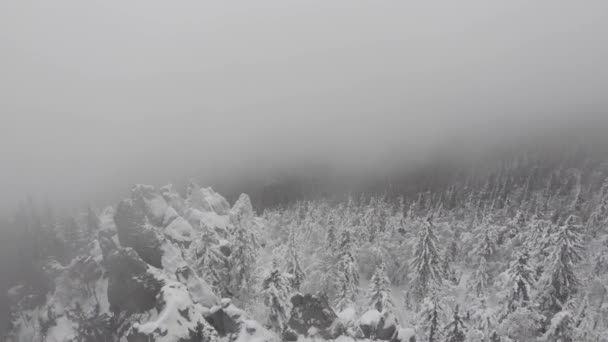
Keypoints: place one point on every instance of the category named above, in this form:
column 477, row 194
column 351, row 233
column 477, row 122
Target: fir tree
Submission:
column 559, row 281
column 521, row 276
column 426, row 264
column 479, row 283
column 293, row 261
column 243, row 259
column 430, row 319
column 380, row 291
column 276, row 290
column 561, row 328
column 348, row 274
column 455, row 330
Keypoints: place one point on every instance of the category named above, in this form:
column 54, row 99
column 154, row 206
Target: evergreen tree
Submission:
column 455, row 330
column 243, row 258
column 276, row 290
column 430, row 319
column 293, row 260
column 487, row 247
column 559, row 281
column 561, row 328
column 521, row 276
column 479, row 283
column 348, row 274
column 426, row 264
column 380, row 291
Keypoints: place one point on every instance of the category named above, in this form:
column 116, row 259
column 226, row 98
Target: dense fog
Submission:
column 99, row 96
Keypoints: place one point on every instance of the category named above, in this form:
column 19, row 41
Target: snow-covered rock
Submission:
column 206, row 200
column 134, row 231
column 310, row 313
column 178, row 319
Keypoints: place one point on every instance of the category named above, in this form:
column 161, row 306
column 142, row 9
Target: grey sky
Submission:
column 97, row 95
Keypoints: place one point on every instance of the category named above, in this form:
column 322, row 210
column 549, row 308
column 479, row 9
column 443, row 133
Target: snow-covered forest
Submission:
column 516, row 252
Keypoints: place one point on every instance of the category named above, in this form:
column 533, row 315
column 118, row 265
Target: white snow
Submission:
column 371, row 318
column 179, row 230
column 171, row 325
column 252, row 331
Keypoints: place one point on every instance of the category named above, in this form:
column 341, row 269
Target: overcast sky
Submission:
column 98, row 95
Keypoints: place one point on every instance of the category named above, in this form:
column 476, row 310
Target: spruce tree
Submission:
column 479, row 283
column 293, row 261
column 380, row 290
column 455, row 330
column 348, row 274
column 521, row 276
column 559, row 281
column 243, row 258
column 430, row 319
column 276, row 289
column 426, row 264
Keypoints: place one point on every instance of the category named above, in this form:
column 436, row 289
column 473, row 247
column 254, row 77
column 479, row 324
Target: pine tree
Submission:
column 479, row 283
column 276, row 290
column 430, row 319
column 561, row 328
column 348, row 274
column 243, row 258
column 487, row 247
column 293, row 261
column 426, row 264
column 380, row 291
column 559, row 282
column 521, row 276
column 455, row 330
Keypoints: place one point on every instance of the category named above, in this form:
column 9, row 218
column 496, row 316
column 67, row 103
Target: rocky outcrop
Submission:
column 225, row 318
column 311, row 315
column 178, row 319
column 131, row 287
column 134, row 231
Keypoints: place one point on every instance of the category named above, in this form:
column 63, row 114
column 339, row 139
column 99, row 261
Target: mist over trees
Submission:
column 514, row 251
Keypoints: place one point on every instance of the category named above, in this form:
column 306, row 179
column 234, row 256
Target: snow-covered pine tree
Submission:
column 521, row 278
column 212, row 264
column 276, row 289
column 293, row 260
column 430, row 319
column 348, row 273
column 380, row 290
column 559, row 282
column 243, row 258
column 426, row 264
column 561, row 328
column 486, row 247
column 479, row 282
column 455, row 330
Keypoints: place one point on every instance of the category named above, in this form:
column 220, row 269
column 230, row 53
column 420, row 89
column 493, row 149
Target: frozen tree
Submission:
column 479, row 281
column 430, row 319
column 293, row 260
column 559, row 281
column 213, row 264
column 426, row 264
column 380, row 291
column 487, row 246
column 561, row 328
column 521, row 278
column 243, row 258
column 455, row 330
column 276, row 289
column 348, row 274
